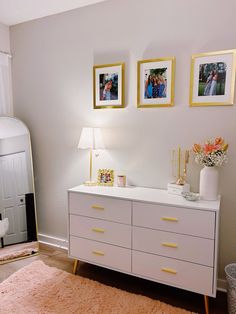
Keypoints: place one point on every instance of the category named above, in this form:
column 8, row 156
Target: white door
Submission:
column 13, row 187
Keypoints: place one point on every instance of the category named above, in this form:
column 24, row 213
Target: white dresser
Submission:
column 147, row 233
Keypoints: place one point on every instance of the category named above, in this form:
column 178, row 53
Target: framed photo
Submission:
column 212, row 78
column 108, row 86
column 156, row 82
column 105, row 177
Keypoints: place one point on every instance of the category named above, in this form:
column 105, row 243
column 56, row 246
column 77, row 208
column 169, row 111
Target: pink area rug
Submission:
column 18, row 251
column 38, row 288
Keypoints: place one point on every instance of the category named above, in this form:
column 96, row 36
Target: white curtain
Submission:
column 6, row 106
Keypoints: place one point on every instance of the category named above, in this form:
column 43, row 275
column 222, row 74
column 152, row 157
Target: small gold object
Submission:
column 170, row 219
column 97, row 207
column 105, row 177
column 169, row 270
column 167, row 244
column 100, row 230
column 76, row 263
column 179, row 160
column 100, row 253
column 180, row 181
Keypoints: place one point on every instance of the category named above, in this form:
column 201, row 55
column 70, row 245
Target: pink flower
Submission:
column 210, row 148
column 212, row 153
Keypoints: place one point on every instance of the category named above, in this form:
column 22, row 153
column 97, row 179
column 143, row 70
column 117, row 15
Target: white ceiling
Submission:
column 17, row 11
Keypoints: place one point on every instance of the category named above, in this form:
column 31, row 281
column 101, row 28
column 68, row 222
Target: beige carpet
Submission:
column 18, row 251
column 38, row 288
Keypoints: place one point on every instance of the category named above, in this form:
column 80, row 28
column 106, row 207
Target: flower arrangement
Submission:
column 212, row 153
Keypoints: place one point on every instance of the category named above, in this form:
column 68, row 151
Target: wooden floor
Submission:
column 177, row 297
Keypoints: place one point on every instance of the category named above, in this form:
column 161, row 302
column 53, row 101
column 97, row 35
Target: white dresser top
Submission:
column 147, row 195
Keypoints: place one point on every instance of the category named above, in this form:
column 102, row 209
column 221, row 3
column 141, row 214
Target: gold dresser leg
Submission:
column 206, row 301
column 76, row 262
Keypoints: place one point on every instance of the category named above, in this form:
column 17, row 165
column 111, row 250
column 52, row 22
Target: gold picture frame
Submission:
column 212, row 78
column 155, row 82
column 109, row 86
column 105, row 177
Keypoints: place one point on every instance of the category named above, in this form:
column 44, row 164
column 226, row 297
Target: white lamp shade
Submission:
column 91, row 138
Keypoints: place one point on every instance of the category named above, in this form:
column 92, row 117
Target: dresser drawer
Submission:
column 100, row 207
column 183, row 247
column 101, row 230
column 100, row 253
column 174, row 219
column 176, row 273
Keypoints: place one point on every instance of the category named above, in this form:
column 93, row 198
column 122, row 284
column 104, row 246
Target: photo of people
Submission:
column 212, row 79
column 155, row 83
column 105, row 177
column 108, row 83
column 108, row 86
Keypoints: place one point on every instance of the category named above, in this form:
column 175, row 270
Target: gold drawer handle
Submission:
column 100, row 253
column 98, row 230
column 169, row 244
column 170, row 219
column 97, row 207
column 169, row 270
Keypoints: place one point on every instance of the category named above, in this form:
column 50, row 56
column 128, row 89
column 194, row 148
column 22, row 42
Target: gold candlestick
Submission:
column 173, row 161
column 180, row 163
column 186, row 160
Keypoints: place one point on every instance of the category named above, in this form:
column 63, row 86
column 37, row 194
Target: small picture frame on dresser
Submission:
column 105, row 177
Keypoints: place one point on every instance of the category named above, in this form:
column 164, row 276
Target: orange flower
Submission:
column 209, row 148
column 219, row 141
column 197, row 148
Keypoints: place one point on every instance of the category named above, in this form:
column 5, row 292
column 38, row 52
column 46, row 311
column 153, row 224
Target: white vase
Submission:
column 209, row 182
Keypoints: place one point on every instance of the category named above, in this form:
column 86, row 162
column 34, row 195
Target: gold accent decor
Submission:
column 97, row 207
column 105, row 177
column 100, row 230
column 170, row 85
column 179, row 162
column 206, row 301
column 174, row 219
column 179, row 165
column 100, row 253
column 122, row 78
column 76, row 262
column 90, row 164
column 168, row 244
column 211, row 57
column 18, row 258
column 186, row 161
column 169, row 270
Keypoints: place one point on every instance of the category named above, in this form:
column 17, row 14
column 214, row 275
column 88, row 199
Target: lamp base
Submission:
column 90, row 183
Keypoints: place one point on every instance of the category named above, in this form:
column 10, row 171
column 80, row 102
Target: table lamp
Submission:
column 91, row 138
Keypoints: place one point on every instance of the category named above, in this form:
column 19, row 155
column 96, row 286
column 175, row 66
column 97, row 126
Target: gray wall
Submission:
column 52, row 83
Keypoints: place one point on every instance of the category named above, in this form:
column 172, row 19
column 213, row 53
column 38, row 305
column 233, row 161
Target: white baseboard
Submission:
column 53, row 241
column 63, row 244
